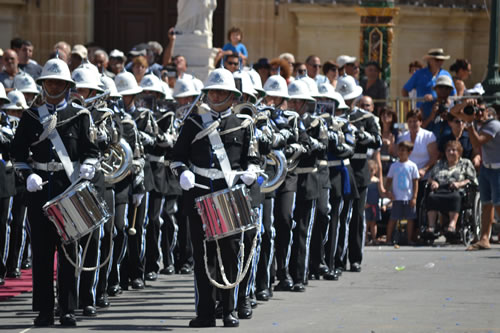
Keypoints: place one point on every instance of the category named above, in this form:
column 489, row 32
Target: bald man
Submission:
column 10, row 62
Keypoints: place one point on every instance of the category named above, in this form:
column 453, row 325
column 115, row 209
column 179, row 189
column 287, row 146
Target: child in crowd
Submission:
column 235, row 35
column 372, row 207
column 402, row 188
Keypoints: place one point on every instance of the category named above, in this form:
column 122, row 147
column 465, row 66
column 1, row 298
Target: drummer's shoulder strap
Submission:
column 56, row 140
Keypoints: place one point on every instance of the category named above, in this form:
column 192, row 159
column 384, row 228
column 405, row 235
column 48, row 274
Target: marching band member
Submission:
column 16, row 234
column 199, row 161
column 367, row 136
column 7, row 180
column 328, row 230
column 87, row 86
column 59, row 139
column 308, row 184
column 132, row 269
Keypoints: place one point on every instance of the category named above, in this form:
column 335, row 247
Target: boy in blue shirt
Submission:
column 235, row 45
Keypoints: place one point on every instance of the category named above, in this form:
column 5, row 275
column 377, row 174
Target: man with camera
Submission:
column 484, row 133
column 436, row 122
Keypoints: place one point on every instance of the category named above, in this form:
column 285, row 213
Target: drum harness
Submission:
column 49, row 123
column 229, row 175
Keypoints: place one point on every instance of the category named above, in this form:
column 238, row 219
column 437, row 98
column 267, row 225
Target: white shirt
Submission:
column 420, row 154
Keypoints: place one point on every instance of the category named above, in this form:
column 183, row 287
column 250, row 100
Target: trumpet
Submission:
column 96, row 101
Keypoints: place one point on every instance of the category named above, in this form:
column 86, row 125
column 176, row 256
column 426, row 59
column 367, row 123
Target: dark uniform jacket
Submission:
column 146, row 124
column 7, row 175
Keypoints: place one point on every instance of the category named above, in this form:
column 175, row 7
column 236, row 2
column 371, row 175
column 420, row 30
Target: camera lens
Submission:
column 470, row 110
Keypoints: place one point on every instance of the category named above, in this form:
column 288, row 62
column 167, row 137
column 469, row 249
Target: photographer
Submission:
column 484, row 134
column 436, row 122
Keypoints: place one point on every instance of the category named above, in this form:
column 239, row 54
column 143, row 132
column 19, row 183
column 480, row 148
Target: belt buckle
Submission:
column 53, row 166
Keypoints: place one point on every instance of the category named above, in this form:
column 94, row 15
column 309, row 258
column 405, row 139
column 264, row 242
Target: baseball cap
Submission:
column 116, row 54
column 345, row 59
column 80, row 50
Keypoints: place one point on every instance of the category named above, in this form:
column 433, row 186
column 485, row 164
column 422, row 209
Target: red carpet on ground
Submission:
column 14, row 287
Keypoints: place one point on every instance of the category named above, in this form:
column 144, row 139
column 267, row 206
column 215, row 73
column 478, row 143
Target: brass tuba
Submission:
column 117, row 162
column 277, row 158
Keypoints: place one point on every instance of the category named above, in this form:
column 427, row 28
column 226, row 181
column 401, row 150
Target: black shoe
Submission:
column 262, row 295
column 26, row 264
column 137, row 284
column 169, row 270
column 2, row 281
column 244, row 308
column 284, row 285
column 356, row 267
column 44, row 319
column 115, row 290
column 15, row 273
column 186, row 269
column 89, row 311
column 331, row 276
column 230, row 320
column 299, row 287
column 219, row 311
column 253, row 301
column 151, row 276
column 68, row 319
column 323, row 269
column 102, row 301
column 313, row 276
column 338, row 271
column 202, row 322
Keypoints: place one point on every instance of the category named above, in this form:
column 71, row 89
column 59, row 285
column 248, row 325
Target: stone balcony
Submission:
column 465, row 4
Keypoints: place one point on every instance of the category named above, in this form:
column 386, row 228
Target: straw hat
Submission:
column 436, row 54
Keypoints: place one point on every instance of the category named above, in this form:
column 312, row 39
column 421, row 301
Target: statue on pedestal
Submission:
column 195, row 16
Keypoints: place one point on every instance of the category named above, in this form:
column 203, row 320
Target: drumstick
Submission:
column 202, row 186
column 132, row 230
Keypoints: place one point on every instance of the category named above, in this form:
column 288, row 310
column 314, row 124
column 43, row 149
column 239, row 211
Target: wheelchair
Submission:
column 468, row 224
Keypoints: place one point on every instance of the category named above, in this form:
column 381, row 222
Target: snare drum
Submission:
column 226, row 212
column 77, row 211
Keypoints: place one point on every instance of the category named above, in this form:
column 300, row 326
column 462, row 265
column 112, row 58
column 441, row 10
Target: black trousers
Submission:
column 332, row 235
column 247, row 284
column 303, row 215
column 153, row 234
column 266, row 252
column 18, row 235
column 5, row 207
column 183, row 251
column 205, row 292
column 119, row 246
column 133, row 264
column 88, row 279
column 357, row 228
column 320, row 231
column 169, row 230
column 106, row 245
column 343, row 232
column 284, row 224
column 44, row 242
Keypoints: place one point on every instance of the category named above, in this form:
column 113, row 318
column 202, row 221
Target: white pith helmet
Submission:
column 167, row 92
column 311, row 85
column 17, row 101
column 326, row 90
column 221, row 79
column 126, row 84
column 198, row 85
column 85, row 78
column 88, row 65
column 3, row 96
column 299, row 90
column 257, row 82
column 348, row 88
column 25, row 83
column 151, row 82
column 246, row 83
column 276, row 86
column 184, row 88
column 107, row 83
column 55, row 69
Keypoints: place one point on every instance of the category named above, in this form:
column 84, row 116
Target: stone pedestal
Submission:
column 198, row 51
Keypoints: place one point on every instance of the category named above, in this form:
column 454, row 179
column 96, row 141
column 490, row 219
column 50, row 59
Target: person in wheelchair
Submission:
column 447, row 179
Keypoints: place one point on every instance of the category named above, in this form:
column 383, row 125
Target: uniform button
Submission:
column 51, row 173
column 53, row 160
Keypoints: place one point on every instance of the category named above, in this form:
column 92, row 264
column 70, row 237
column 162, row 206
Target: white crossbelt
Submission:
column 61, row 151
column 358, row 156
column 491, row 165
column 154, row 158
column 338, row 162
column 208, row 173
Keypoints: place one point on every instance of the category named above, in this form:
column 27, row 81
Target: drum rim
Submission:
column 70, row 188
column 203, row 197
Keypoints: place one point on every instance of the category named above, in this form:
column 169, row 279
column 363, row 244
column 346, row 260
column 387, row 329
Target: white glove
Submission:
column 250, row 176
column 187, row 180
column 146, row 139
column 137, row 199
column 87, row 171
column 34, row 183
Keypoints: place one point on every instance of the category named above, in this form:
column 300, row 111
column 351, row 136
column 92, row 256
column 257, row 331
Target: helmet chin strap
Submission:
column 46, row 93
column 223, row 103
